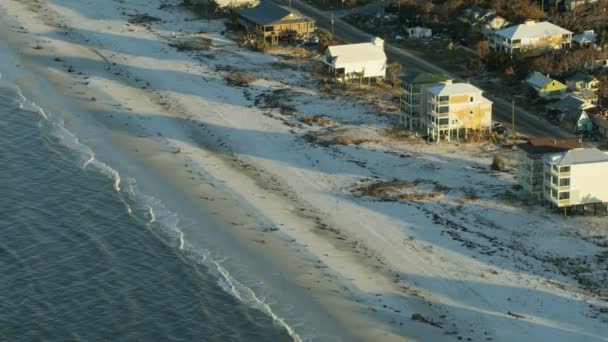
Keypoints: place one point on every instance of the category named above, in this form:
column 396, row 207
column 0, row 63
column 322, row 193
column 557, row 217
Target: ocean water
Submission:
column 81, row 261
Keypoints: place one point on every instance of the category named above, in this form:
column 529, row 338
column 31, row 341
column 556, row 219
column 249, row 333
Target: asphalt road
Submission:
column 525, row 122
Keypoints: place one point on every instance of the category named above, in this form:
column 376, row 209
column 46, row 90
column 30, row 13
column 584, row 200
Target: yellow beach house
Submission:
column 455, row 109
column 545, row 86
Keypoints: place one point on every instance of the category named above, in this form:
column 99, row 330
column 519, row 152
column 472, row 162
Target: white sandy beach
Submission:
column 476, row 262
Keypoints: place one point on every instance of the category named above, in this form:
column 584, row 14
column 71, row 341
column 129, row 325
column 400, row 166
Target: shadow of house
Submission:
column 272, row 23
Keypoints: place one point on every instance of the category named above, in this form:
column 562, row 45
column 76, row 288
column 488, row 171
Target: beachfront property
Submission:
column 530, row 35
column 545, row 86
column 530, row 169
column 271, row 22
column 455, row 109
column 361, row 60
column 574, row 178
column 413, row 101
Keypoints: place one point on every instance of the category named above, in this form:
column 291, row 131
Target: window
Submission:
column 565, row 36
column 564, row 182
column 516, row 41
column 564, row 195
column 444, row 98
column 269, row 28
column 564, row 169
column 444, row 109
column 554, row 193
column 471, row 112
column 444, row 121
column 554, row 168
column 554, row 180
column 471, row 99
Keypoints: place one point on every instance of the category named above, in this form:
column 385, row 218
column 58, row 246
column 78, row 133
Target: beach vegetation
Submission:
column 240, row 79
column 498, row 163
column 325, row 39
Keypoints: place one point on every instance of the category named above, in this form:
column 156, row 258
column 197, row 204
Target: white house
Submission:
column 575, row 177
column 350, row 59
column 530, row 35
column 419, row 32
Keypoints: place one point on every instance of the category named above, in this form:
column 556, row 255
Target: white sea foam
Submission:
column 181, row 240
column 39, row 110
column 22, row 98
column 90, row 160
column 128, row 208
column 248, row 296
column 25, row 104
column 151, row 215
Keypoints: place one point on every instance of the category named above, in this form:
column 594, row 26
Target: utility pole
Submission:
column 332, row 23
column 513, row 119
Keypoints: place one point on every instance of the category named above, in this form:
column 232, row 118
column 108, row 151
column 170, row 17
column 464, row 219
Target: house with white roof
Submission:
column 456, row 109
column 575, row 178
column 545, row 86
column 350, row 60
column 530, row 35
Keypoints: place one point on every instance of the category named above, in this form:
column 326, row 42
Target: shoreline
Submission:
column 355, row 268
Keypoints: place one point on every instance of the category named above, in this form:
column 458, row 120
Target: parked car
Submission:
column 498, row 128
